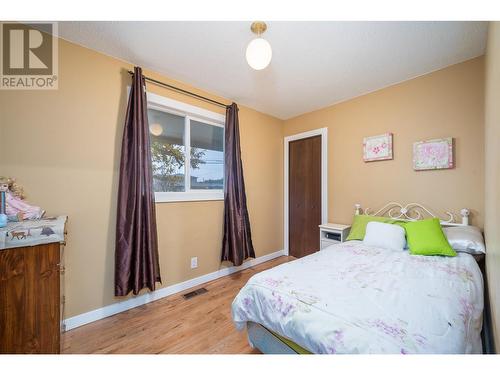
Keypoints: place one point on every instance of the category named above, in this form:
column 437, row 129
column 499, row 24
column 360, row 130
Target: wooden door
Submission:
column 304, row 194
column 29, row 300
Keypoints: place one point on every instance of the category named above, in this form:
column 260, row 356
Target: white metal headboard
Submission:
column 414, row 211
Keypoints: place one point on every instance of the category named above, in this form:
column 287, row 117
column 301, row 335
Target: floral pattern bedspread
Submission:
column 351, row 298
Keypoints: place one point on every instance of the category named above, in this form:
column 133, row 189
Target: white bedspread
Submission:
column 350, row 298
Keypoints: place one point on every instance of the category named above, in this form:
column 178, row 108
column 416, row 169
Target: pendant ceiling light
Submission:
column 259, row 52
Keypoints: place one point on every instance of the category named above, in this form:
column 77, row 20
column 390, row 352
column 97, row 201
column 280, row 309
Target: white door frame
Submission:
column 323, row 132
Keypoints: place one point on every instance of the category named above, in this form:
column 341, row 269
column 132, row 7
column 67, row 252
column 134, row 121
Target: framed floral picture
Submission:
column 433, row 154
column 378, row 147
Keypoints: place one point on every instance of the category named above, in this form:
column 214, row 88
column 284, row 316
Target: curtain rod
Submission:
column 186, row 92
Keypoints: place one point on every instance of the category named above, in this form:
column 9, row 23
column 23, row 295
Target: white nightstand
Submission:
column 330, row 234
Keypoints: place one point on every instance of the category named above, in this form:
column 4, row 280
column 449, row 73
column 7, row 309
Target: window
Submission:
column 207, row 156
column 187, row 149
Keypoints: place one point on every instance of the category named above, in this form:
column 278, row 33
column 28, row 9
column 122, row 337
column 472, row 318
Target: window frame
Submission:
column 189, row 112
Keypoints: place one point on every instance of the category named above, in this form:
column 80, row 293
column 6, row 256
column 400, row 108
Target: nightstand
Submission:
column 330, row 234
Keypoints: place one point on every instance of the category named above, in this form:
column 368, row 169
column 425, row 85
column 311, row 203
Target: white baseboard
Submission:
column 115, row 308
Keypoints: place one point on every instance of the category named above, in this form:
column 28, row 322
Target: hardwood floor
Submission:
column 201, row 324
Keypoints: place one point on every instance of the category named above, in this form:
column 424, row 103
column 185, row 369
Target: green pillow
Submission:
column 358, row 227
column 426, row 237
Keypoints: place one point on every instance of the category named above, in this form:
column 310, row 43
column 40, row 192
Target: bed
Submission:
column 351, row 298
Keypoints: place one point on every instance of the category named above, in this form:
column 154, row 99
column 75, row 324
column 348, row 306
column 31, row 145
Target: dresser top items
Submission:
column 33, row 232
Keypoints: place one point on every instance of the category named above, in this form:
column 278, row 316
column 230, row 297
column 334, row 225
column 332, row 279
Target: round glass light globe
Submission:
column 156, row 129
column 259, row 53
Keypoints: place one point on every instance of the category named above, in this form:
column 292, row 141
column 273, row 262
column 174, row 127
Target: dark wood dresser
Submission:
column 31, row 300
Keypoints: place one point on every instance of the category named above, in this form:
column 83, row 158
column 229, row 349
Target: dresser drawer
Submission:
column 326, row 243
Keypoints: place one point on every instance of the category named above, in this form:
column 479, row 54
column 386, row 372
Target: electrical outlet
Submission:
column 194, row 262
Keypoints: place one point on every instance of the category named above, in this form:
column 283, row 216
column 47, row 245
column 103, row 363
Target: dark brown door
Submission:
column 304, row 191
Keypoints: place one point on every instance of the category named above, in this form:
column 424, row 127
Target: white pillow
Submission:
column 466, row 239
column 387, row 236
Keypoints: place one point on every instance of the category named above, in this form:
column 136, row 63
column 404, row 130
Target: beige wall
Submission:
column 445, row 103
column 63, row 146
column 492, row 174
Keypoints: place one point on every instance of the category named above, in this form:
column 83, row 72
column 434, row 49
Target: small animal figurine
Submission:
column 3, row 191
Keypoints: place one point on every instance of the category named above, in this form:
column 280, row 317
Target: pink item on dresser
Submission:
column 16, row 205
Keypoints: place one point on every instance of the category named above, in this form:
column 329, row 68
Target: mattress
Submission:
column 352, row 298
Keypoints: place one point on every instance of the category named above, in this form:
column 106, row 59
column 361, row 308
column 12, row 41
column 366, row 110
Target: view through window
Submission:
column 187, row 153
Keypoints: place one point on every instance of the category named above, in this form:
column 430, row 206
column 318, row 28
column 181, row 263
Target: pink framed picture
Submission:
column 433, row 154
column 378, row 147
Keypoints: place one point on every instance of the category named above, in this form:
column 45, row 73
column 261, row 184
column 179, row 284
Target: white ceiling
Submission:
column 315, row 64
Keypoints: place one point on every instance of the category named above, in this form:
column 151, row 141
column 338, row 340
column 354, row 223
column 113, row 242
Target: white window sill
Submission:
column 191, row 196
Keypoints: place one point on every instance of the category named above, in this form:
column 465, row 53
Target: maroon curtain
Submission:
column 136, row 252
column 237, row 241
